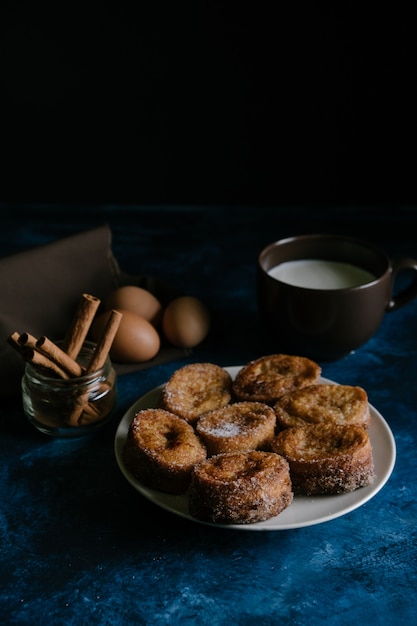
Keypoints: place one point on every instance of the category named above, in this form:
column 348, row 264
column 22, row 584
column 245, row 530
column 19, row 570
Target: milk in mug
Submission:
column 321, row 274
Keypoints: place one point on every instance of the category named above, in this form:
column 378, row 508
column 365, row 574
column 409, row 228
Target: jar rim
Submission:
column 88, row 347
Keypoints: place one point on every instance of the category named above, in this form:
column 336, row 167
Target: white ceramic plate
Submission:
column 303, row 511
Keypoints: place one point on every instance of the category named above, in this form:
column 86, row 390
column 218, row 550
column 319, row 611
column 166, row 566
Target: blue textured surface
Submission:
column 80, row 546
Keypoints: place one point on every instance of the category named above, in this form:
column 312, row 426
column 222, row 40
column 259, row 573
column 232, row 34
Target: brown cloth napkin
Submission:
column 41, row 288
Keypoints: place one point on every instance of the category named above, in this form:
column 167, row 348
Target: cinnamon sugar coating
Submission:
column 195, row 389
column 240, row 488
column 323, row 403
column 224, row 451
column 161, row 449
column 270, row 377
column 238, row 427
column 326, row 458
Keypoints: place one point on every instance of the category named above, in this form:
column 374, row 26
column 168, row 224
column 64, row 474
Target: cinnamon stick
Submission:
column 97, row 361
column 44, row 353
column 22, row 341
column 61, row 358
column 85, row 412
column 80, row 325
column 37, row 358
column 79, row 404
column 13, row 340
column 103, row 346
column 27, row 340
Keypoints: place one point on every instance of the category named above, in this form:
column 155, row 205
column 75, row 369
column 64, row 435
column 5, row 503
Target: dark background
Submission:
column 207, row 102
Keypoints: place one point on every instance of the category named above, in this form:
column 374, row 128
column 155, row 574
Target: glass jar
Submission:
column 70, row 407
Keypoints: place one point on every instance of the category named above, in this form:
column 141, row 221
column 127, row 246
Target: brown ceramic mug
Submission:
column 323, row 296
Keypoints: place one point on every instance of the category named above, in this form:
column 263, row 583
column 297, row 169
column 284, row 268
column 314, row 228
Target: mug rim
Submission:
column 377, row 252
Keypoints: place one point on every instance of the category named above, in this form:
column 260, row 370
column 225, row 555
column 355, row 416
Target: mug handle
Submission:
column 408, row 293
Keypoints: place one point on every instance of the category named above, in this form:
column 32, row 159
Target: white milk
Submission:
column 318, row 274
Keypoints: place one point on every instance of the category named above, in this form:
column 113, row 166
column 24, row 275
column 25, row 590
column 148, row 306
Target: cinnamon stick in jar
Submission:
column 97, row 361
column 25, row 344
column 37, row 358
column 80, row 325
column 13, row 340
column 103, row 346
column 85, row 411
column 22, row 341
column 27, row 340
column 54, row 352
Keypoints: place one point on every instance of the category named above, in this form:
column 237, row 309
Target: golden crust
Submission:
column 323, row 403
column 217, row 438
column 195, row 389
column 270, row 377
column 240, row 488
column 238, row 427
column 161, row 449
column 326, row 458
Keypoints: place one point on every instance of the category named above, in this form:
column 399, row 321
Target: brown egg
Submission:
column 136, row 300
column 185, row 321
column 136, row 340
